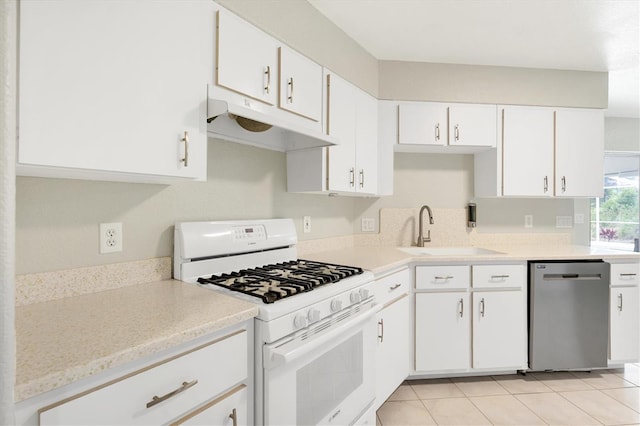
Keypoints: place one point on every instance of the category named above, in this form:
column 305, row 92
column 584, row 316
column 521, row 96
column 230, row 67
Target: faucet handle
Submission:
column 428, row 239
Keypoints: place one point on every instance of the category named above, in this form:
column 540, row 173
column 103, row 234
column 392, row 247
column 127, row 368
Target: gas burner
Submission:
column 277, row 281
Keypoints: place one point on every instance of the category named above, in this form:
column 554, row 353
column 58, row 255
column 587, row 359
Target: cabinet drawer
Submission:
column 442, row 277
column 193, row 378
column 625, row 273
column 389, row 287
column 492, row 276
column 221, row 411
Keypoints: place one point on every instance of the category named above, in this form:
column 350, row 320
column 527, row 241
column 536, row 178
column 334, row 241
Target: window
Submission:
column 615, row 217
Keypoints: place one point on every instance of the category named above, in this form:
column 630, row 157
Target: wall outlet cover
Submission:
column 368, row 224
column 110, row 237
column 528, row 221
column 564, row 222
column 306, row 224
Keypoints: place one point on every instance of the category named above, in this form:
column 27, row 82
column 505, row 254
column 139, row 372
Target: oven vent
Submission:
column 331, row 322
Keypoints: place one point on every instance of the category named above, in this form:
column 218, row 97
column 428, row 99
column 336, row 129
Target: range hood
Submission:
column 238, row 123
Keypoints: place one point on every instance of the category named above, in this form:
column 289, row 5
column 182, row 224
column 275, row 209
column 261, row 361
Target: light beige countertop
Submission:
column 65, row 340
column 382, row 259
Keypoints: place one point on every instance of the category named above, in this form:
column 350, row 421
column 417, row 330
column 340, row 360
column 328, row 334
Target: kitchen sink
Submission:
column 448, row 251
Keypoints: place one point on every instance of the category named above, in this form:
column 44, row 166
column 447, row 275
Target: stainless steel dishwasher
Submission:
column 568, row 315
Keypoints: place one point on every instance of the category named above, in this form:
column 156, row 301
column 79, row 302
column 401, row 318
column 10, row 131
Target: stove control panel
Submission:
column 249, row 233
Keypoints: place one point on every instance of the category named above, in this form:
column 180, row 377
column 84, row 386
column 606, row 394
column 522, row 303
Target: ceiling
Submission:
column 587, row 35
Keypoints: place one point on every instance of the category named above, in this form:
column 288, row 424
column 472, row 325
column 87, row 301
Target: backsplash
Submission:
column 44, row 286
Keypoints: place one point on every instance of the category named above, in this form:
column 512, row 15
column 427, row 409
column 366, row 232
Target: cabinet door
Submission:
column 527, row 151
column 499, row 330
column 443, row 331
column 366, row 142
column 229, row 409
column 472, row 125
column 579, row 131
column 624, row 337
column 422, row 123
column 300, row 85
column 341, row 123
column 116, row 90
column 393, row 348
column 247, row 59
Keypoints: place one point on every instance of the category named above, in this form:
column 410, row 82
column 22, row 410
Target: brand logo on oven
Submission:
column 334, row 415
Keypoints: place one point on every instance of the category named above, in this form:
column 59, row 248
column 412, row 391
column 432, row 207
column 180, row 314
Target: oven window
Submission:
column 322, row 385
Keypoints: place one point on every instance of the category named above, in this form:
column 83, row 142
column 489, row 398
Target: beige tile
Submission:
column 455, row 411
column 556, row 410
column 562, row 381
column 435, row 388
column 378, row 421
column 404, row 413
column 479, row 386
column 516, row 383
column 505, row 410
column 628, row 396
column 602, row 407
column 631, row 374
column 603, row 379
column 403, row 393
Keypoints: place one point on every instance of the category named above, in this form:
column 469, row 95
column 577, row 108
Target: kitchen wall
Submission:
column 57, row 220
column 622, row 134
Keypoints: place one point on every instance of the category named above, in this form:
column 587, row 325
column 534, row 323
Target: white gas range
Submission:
column 315, row 333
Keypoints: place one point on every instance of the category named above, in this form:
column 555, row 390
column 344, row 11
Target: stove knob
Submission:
column 300, row 321
column 313, row 315
column 336, row 305
column 364, row 293
column 355, row 297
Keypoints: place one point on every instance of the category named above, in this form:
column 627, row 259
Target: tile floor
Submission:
column 609, row 397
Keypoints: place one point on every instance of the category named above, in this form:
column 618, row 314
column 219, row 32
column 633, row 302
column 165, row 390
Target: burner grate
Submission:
column 277, row 281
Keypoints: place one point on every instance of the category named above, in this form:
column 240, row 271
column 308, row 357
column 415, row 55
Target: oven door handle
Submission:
column 275, row 356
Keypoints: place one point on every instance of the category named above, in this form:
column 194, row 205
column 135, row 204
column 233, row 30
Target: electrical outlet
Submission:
column 528, row 221
column 368, row 224
column 110, row 237
column 306, row 224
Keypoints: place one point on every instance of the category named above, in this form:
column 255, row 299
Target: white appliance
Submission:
column 315, row 333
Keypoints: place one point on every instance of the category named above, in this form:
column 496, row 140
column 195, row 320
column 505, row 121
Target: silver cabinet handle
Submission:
column 499, row 277
column 158, row 399
column 620, row 302
column 628, row 275
column 446, row 277
column 267, row 85
column 482, row 307
column 381, row 334
column 361, row 178
column 564, row 183
column 290, row 86
column 457, row 132
column 234, row 416
column 461, row 310
column 185, row 139
column 352, row 177
column 546, row 184
column 438, row 132
column 393, row 287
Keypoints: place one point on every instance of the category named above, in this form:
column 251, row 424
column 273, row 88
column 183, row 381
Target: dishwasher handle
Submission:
column 572, row 277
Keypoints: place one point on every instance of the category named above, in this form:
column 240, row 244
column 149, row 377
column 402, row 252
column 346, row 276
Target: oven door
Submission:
column 325, row 375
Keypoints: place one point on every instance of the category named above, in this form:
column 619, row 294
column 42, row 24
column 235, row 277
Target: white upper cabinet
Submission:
column 527, row 151
column 544, row 152
column 300, row 85
column 351, row 167
column 440, row 127
column 579, row 131
column 422, row 123
column 472, row 125
column 114, row 90
column 247, row 59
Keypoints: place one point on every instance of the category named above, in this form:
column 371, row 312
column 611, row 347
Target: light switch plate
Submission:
column 528, row 221
column 563, row 222
column 368, row 224
column 306, row 224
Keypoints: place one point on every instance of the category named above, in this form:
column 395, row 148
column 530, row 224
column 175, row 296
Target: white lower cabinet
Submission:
column 499, row 339
column 394, row 339
column 443, row 327
column 478, row 326
column 624, row 313
column 192, row 387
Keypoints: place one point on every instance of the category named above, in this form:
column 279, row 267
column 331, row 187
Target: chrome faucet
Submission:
column 421, row 239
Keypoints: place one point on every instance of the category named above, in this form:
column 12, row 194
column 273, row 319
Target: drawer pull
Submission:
column 628, row 275
column 234, row 416
column 461, row 310
column 620, row 302
column 393, row 287
column 446, row 277
column 381, row 334
column 158, row 399
column 482, row 307
column 499, row 277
